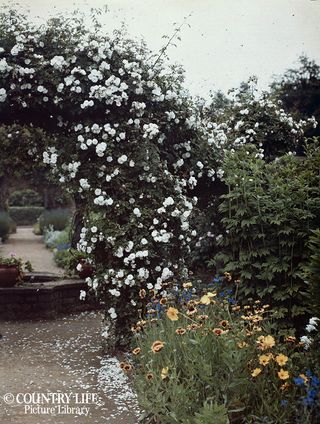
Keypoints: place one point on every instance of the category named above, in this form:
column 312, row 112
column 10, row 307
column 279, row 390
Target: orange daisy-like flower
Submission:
column 224, row 323
column 122, row 365
column 149, row 376
column 218, row 331
column 163, row 301
column 142, row 293
column 172, row 314
column 157, row 346
column 192, row 311
column 187, row 285
column 127, row 367
column 136, row 351
column 202, row 317
column 283, row 375
column 256, row 372
column 290, row 339
column 281, row 360
column 181, row 331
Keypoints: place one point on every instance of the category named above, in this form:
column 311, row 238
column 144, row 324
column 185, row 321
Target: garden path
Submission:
column 63, row 355
column 25, row 244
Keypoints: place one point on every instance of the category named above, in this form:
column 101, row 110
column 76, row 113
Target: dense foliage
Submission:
column 267, row 218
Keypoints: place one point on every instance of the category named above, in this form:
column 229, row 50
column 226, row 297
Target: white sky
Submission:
column 228, row 41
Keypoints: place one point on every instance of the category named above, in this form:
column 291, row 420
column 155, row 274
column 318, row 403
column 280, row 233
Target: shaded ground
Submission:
column 65, row 356
column 30, row 247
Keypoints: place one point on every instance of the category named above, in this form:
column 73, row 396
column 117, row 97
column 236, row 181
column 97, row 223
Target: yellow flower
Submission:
column 304, row 377
column 281, row 360
column 283, row 375
column 187, row 285
column 157, row 346
column 265, row 342
column 256, row 372
column 241, row 345
column 205, row 300
column 172, row 314
column 164, row 373
column 264, row 359
column 284, row 386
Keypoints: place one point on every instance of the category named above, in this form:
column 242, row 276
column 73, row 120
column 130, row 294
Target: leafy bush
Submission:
column 58, row 219
column 312, row 270
column 268, row 216
column 59, row 242
column 5, row 226
column 206, row 361
column 25, row 215
column 25, row 197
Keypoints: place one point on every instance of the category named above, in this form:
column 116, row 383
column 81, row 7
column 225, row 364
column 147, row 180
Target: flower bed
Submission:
column 203, row 359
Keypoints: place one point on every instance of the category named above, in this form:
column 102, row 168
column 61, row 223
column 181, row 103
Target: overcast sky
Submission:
column 228, row 40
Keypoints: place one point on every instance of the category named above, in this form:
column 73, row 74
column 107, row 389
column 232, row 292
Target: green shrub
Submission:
column 200, row 360
column 5, row 226
column 59, row 242
column 312, row 270
column 25, row 215
column 25, row 197
column 58, row 219
column 268, row 216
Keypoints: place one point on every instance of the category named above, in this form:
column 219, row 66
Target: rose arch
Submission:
column 119, row 132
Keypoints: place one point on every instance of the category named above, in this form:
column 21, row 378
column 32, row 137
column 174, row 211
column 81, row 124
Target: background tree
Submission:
column 299, row 91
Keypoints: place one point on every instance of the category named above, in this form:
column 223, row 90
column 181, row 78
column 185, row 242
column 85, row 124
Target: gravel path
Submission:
column 27, row 245
column 62, row 356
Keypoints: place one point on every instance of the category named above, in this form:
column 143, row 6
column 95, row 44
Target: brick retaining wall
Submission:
column 44, row 300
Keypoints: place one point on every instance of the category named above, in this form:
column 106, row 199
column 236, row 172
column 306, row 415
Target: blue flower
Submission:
column 308, row 401
column 299, row 381
column 284, row 402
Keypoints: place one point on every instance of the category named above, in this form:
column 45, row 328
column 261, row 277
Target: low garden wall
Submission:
column 44, row 300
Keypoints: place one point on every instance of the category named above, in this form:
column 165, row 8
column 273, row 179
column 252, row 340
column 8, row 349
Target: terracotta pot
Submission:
column 9, row 275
